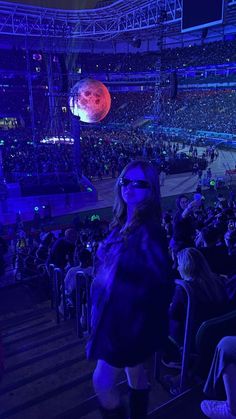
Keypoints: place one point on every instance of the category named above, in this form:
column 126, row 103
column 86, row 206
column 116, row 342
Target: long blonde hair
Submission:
column 195, row 268
column 150, row 209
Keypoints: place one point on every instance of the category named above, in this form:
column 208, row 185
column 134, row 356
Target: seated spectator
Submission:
column 222, row 377
column 216, row 255
column 209, row 291
column 84, row 263
column 62, row 250
column 30, row 267
column 21, row 253
column 174, row 249
column 230, row 241
column 43, row 250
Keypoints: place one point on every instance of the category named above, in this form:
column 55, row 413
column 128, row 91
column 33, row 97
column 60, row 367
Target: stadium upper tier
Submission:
column 84, row 64
column 210, row 110
column 64, row 4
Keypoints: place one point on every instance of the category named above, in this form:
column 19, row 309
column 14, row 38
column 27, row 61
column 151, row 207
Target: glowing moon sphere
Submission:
column 90, row 100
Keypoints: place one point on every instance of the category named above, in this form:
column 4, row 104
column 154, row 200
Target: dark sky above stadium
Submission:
column 60, row 4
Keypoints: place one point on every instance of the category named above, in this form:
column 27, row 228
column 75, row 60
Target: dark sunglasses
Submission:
column 140, row 184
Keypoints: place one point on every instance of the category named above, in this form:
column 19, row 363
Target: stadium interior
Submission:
column 169, row 67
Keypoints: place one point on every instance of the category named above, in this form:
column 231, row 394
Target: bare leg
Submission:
column 137, row 377
column 104, row 383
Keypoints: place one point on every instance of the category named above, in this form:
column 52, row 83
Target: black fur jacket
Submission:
column 130, row 297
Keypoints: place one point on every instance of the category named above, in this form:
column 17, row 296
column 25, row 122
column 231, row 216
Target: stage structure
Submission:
column 158, row 89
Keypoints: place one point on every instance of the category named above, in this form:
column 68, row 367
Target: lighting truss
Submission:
column 119, row 18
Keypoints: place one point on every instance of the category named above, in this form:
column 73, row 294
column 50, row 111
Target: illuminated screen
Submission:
column 201, row 14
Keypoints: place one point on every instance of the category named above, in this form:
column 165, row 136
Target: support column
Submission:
column 31, row 104
column 75, row 134
column 158, row 67
column 1, row 166
column 31, row 99
column 51, row 93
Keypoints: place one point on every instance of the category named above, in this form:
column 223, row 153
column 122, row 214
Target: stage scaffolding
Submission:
column 158, row 89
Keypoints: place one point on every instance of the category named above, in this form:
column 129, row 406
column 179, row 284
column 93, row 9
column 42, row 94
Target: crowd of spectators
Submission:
column 202, row 241
column 32, row 249
column 187, row 110
column 103, row 154
column 105, row 151
column 209, row 110
column 201, row 79
column 173, row 58
column 213, row 53
column 202, row 249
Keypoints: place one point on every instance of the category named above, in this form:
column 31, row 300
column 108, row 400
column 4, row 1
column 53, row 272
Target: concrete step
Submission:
column 40, row 328
column 38, row 334
column 56, row 402
column 89, row 409
column 29, row 373
column 47, row 374
column 14, row 319
column 52, row 346
column 37, row 345
column 50, row 386
column 20, row 330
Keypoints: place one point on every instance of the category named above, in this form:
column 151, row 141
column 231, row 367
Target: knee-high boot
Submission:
column 138, row 402
column 117, row 413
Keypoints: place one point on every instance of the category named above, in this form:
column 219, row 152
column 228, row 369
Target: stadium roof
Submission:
column 96, row 21
column 61, row 4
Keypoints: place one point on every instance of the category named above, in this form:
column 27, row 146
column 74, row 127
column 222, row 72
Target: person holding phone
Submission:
column 184, row 221
column 130, row 292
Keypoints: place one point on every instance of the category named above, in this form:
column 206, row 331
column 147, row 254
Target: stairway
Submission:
column 48, row 377
column 46, row 368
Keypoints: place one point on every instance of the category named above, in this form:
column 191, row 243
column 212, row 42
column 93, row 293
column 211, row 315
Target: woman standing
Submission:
column 130, row 293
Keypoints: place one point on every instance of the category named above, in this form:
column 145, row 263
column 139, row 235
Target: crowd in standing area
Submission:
column 103, row 154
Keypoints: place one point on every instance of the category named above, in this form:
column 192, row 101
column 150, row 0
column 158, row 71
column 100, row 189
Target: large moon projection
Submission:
column 90, row 100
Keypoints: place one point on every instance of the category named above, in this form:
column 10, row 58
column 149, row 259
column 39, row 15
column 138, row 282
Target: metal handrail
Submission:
column 83, row 281
column 187, row 333
column 51, row 283
column 59, row 291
